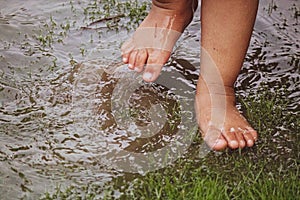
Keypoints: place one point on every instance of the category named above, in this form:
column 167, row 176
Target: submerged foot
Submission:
column 221, row 123
column 152, row 43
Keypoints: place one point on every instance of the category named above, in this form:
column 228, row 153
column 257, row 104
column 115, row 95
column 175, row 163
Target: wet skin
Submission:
column 222, row 54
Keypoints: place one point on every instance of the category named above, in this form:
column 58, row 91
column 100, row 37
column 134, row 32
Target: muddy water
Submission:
column 68, row 106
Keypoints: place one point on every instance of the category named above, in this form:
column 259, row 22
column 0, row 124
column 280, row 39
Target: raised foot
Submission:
column 152, row 43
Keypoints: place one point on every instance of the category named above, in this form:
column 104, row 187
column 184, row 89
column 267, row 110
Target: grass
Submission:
column 261, row 172
column 202, row 184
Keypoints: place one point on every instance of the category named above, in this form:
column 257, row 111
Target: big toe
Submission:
column 214, row 139
column 155, row 62
column 216, row 144
column 220, row 144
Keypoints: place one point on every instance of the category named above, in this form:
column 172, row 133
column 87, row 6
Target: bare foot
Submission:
column 221, row 123
column 153, row 41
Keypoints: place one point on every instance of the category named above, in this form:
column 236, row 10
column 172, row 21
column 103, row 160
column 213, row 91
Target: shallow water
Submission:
column 65, row 98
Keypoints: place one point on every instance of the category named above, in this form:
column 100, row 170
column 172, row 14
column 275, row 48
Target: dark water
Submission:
column 70, row 111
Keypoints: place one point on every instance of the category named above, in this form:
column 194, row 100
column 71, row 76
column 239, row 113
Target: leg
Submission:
column 226, row 31
column 153, row 41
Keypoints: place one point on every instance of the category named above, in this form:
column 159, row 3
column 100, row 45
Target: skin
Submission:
column 226, row 28
column 165, row 14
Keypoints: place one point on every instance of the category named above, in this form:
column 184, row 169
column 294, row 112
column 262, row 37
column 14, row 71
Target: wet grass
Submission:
column 266, row 171
column 203, row 184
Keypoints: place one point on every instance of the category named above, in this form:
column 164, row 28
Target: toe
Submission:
column 126, row 49
column 132, row 59
column 125, row 58
column 155, row 62
column 252, row 132
column 230, row 136
column 240, row 138
column 214, row 139
column 140, row 60
column 220, row 144
column 248, row 138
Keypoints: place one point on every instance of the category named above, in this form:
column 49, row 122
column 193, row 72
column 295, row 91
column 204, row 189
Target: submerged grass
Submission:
column 117, row 14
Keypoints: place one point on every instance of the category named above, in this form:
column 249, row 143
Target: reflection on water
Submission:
column 57, row 117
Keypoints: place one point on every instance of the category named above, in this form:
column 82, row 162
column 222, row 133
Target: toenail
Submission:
column 242, row 142
column 137, row 69
column 234, row 143
column 125, row 59
column 250, row 142
column 147, row 76
column 130, row 66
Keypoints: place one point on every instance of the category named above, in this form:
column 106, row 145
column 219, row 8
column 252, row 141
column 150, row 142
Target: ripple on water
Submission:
column 56, row 128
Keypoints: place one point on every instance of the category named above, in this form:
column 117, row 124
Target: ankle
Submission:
column 183, row 8
column 214, row 88
column 176, row 5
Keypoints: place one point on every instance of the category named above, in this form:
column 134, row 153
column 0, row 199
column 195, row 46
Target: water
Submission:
column 63, row 110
